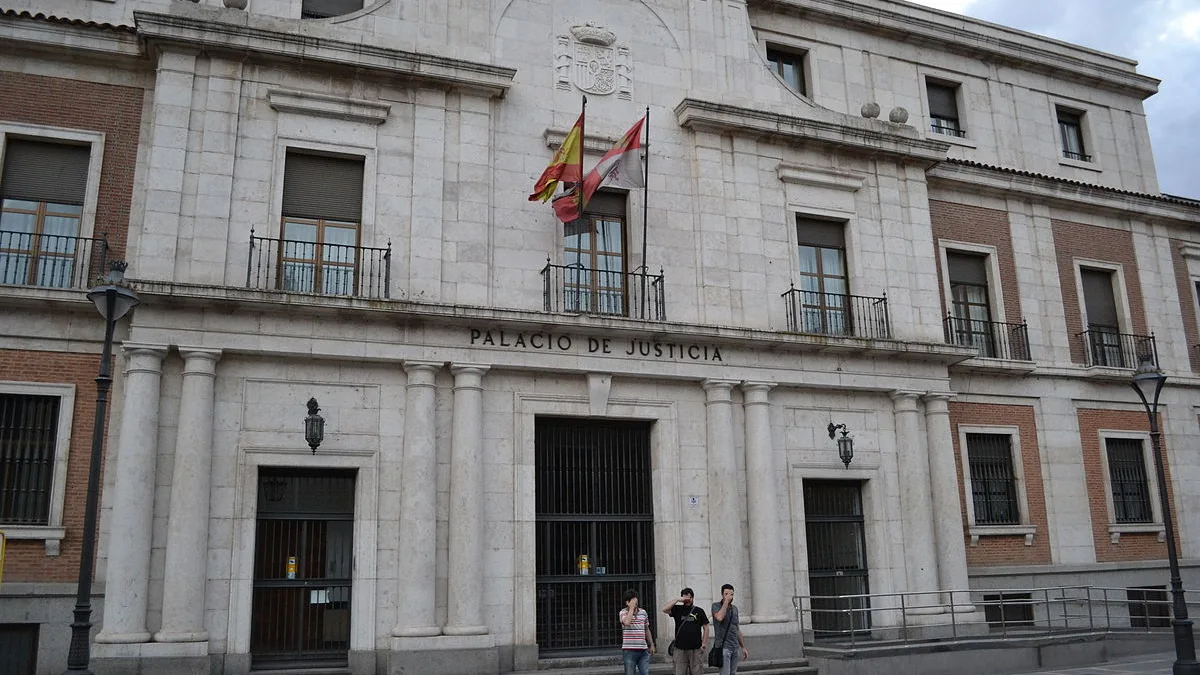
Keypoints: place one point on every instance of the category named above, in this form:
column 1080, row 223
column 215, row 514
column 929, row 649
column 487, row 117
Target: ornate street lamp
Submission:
column 114, row 300
column 844, row 442
column 1148, row 383
column 314, row 426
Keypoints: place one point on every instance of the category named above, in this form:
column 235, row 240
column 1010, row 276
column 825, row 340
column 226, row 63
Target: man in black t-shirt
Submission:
column 691, row 633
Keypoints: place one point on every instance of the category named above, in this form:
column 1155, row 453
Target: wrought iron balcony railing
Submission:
column 578, row 289
column 1079, row 156
column 51, row 260
column 1116, row 350
column 993, row 339
column 323, row 269
column 840, row 315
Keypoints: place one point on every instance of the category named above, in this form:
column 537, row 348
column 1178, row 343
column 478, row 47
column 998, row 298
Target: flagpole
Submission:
column 582, row 144
column 645, row 207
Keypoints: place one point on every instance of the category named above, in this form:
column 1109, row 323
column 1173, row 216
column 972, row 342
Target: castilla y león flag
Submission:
column 564, row 167
column 619, row 167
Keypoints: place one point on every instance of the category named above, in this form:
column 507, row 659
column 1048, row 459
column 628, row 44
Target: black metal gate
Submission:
column 595, row 499
column 837, row 557
column 303, row 556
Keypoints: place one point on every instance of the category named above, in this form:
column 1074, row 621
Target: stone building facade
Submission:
column 858, row 212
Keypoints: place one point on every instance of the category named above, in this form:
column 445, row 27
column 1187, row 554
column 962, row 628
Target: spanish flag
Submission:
column 566, row 166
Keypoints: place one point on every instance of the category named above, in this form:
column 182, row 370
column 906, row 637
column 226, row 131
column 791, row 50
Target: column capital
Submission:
column 415, row 366
column 718, row 390
column 200, row 360
column 937, row 402
column 905, row 398
column 757, row 393
column 143, row 358
column 468, row 376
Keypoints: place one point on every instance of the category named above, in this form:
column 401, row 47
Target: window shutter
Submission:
column 1098, row 298
column 319, row 186
column 942, row 100
column 605, row 203
column 823, row 233
column 39, row 171
column 965, row 268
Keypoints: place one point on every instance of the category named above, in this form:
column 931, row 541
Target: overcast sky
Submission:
column 1162, row 35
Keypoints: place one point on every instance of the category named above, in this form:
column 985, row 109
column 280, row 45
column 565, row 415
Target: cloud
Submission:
column 1162, row 35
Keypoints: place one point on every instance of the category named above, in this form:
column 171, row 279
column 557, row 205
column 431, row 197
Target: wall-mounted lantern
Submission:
column 844, row 442
column 314, row 426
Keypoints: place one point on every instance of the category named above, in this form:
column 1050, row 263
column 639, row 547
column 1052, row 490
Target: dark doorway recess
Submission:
column 837, row 558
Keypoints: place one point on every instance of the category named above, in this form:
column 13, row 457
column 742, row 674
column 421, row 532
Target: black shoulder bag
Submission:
column 716, row 655
column 671, row 647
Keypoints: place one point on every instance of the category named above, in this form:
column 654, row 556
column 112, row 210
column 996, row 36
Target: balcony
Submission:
column 576, row 289
column 993, row 339
column 820, row 313
column 323, row 269
column 50, row 260
column 1110, row 349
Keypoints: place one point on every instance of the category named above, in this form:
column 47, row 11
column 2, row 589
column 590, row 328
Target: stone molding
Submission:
column 68, row 34
column 333, row 107
column 814, row 176
column 848, row 134
column 206, row 30
column 982, row 40
column 1081, row 196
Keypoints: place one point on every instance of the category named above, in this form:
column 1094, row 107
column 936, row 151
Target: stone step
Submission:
column 608, row 665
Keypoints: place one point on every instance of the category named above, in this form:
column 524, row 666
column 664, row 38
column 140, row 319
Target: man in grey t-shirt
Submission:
column 725, row 623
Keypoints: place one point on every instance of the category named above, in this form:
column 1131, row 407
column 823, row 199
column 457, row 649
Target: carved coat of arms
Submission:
column 589, row 60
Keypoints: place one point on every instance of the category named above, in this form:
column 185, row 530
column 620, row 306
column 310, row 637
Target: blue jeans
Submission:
column 733, row 656
column 637, row 661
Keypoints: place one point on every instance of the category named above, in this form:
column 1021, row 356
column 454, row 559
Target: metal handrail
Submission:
column 1103, row 347
column 820, row 313
column 319, row 268
column 993, row 339
column 51, row 260
column 849, row 621
column 578, row 289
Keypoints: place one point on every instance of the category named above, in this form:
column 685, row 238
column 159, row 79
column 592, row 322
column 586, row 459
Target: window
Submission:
column 42, row 189
column 594, row 257
column 824, row 287
column 322, row 208
column 323, row 9
column 29, row 429
column 993, row 479
column 1127, row 478
column 943, row 108
column 789, row 65
column 1148, row 607
column 970, row 311
column 1103, row 325
column 1008, row 610
column 1070, row 130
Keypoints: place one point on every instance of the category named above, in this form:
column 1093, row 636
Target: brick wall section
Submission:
column 987, row 227
column 1080, row 240
column 91, row 106
column 1187, row 303
column 1006, row 550
column 1131, row 546
column 26, row 560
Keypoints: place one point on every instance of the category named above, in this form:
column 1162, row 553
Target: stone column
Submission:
column 916, row 515
column 186, row 569
column 131, row 525
column 724, row 504
column 417, row 557
column 465, row 597
column 766, row 572
column 947, row 510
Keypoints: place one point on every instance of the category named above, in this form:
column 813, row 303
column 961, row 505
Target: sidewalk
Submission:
column 1129, row 665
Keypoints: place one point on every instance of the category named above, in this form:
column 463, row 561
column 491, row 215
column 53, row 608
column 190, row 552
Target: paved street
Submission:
column 1148, row 663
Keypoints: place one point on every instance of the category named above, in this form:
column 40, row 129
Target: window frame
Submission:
column 789, row 43
column 965, row 119
column 960, row 128
column 53, row 531
column 95, row 142
column 1087, row 138
column 1024, row 526
column 992, row 265
column 847, row 309
column 1156, row 525
column 593, row 286
column 1120, row 295
column 801, row 56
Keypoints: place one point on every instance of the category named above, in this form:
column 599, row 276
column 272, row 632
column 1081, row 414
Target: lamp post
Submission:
column 114, row 301
column 1148, row 383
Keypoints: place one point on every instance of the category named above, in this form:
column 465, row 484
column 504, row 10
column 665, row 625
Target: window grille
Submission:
column 1148, row 607
column 993, row 481
column 1127, row 476
column 28, row 433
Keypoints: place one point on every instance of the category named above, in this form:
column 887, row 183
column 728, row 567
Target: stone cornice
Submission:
column 1094, row 198
column 966, row 35
column 213, row 31
column 861, row 136
column 334, row 107
column 39, row 32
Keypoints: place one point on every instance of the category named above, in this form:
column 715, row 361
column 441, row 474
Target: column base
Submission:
column 416, row 631
column 181, row 636
column 465, row 630
column 773, row 618
column 444, row 655
column 122, row 638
